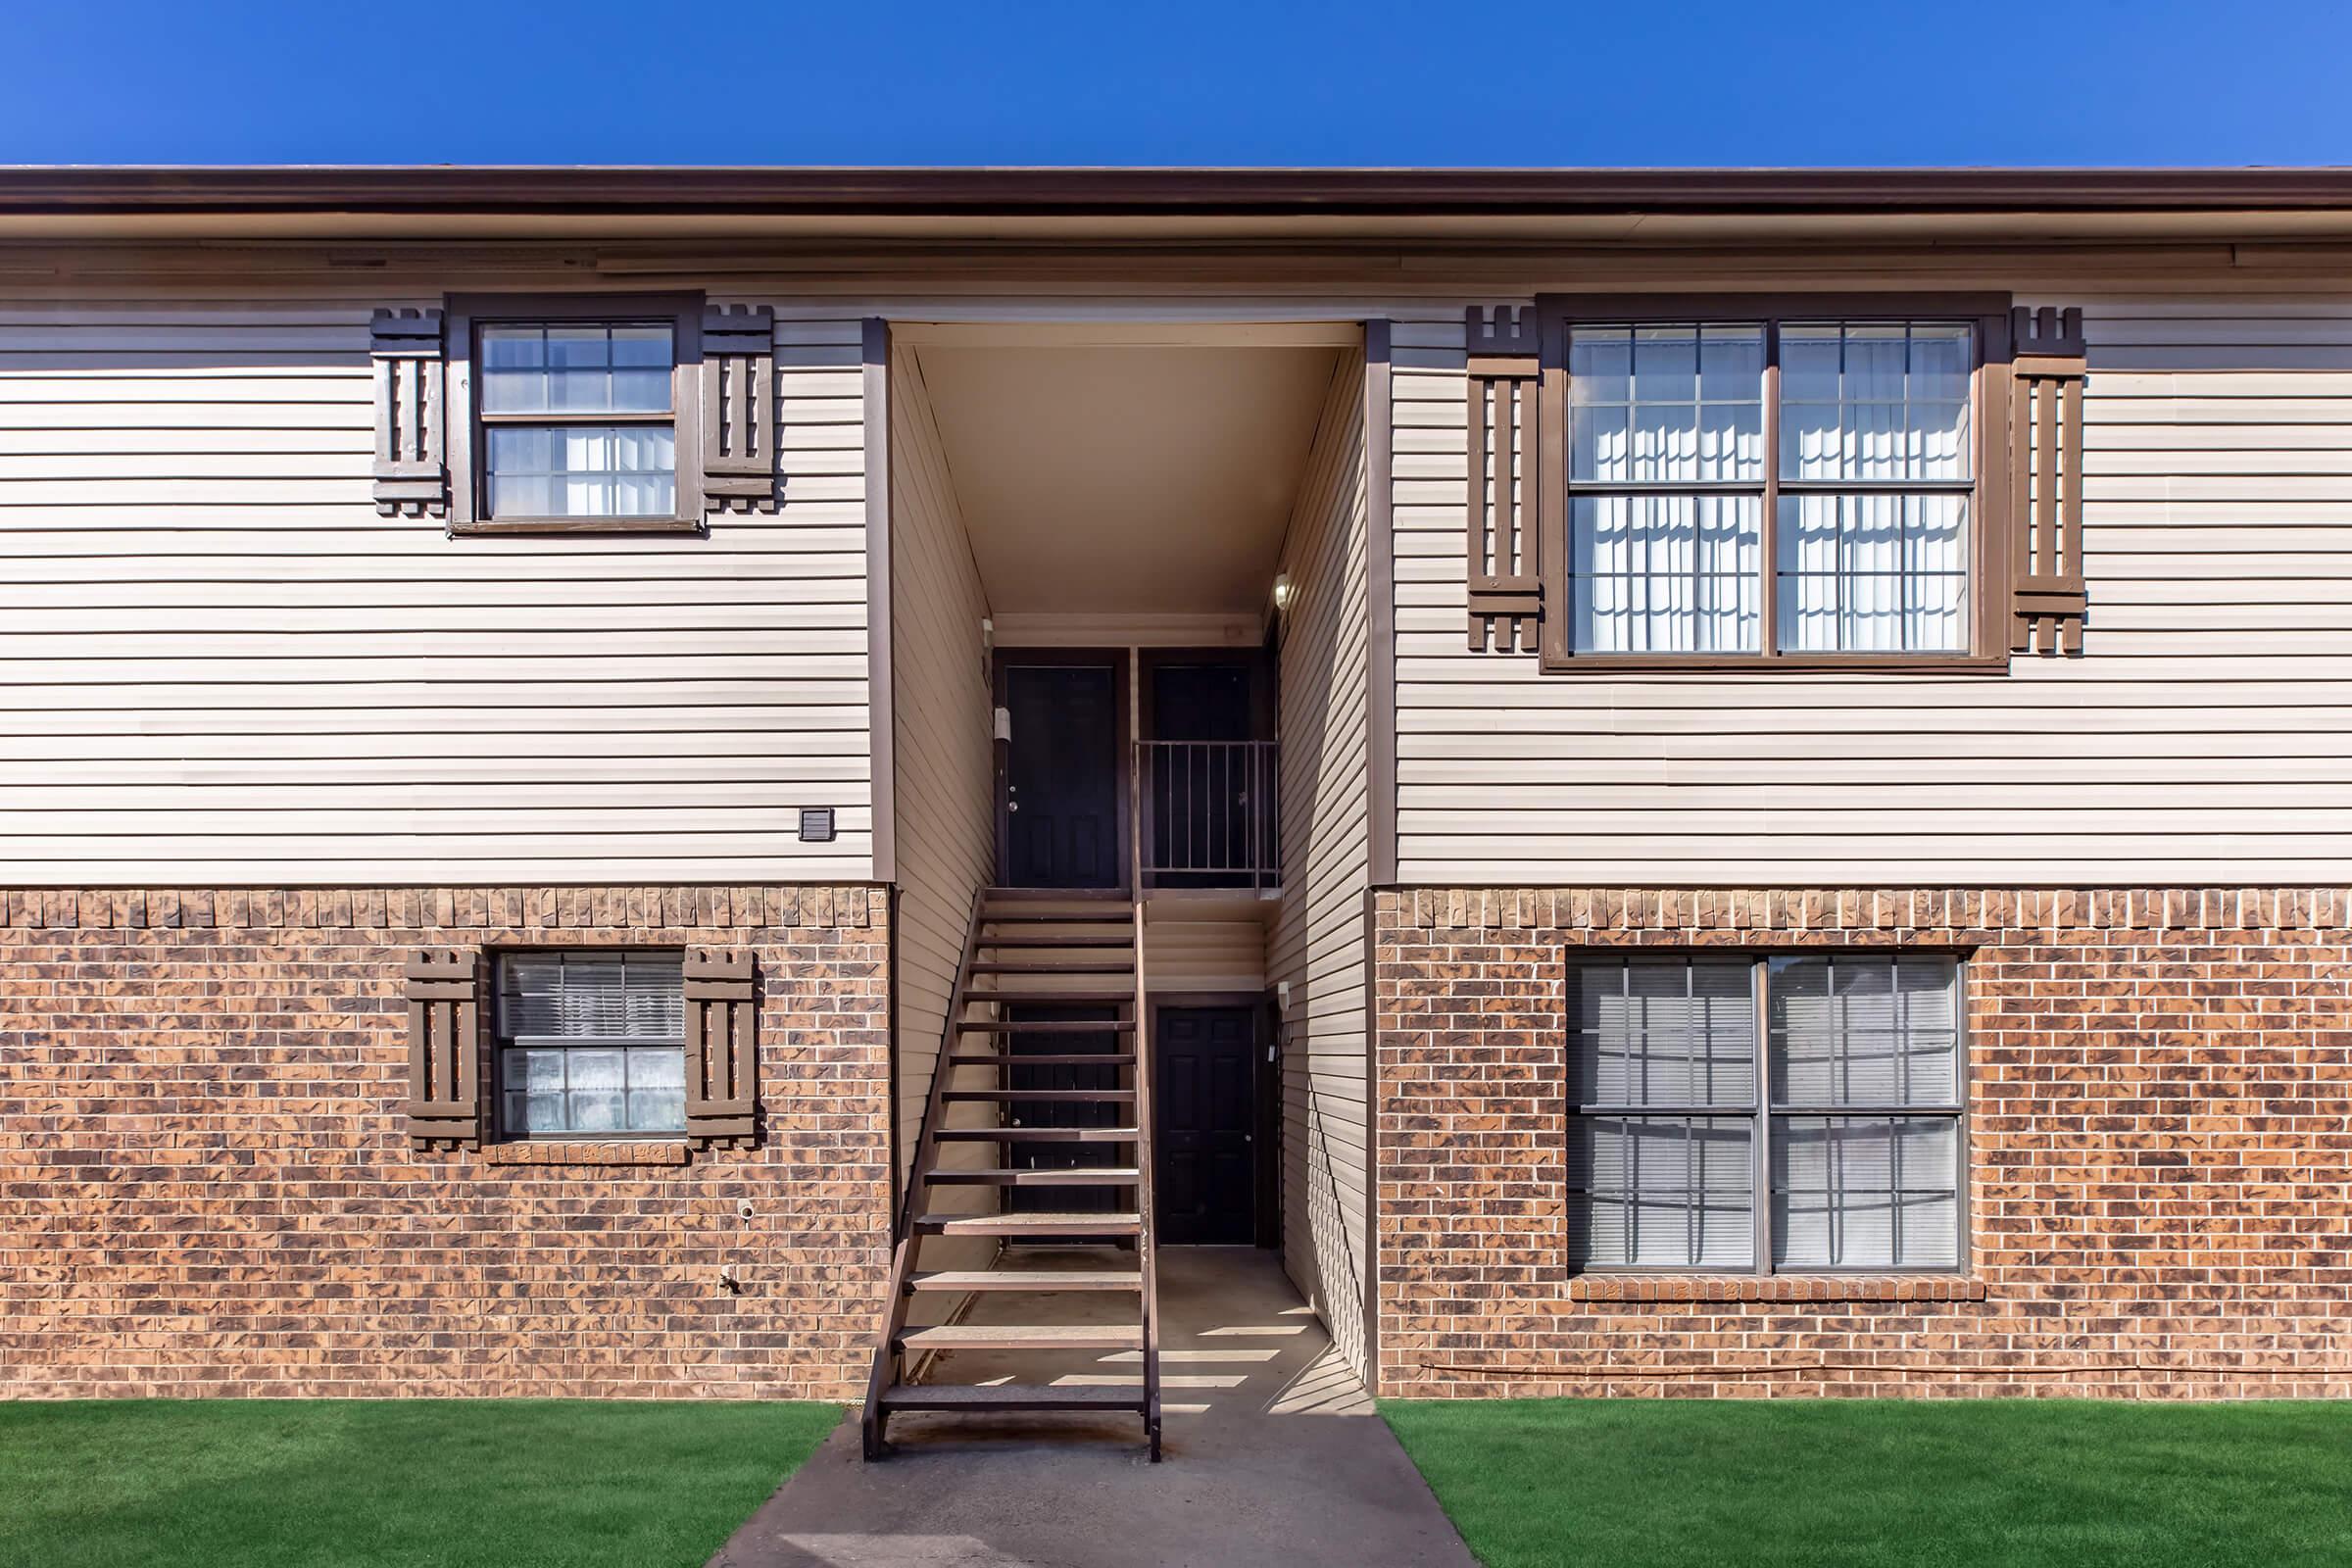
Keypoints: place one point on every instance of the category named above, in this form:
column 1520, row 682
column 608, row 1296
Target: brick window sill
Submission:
column 1775, row 1288
column 588, row 1153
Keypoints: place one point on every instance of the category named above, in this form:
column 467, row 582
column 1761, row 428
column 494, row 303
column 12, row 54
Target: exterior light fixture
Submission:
column 1283, row 590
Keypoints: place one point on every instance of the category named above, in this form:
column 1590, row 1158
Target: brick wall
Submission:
column 2160, row 1181
column 206, row 1185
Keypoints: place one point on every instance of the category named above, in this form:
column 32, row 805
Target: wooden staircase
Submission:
column 1038, row 948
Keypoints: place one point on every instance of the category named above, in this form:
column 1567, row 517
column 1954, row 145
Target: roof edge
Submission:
column 1207, row 193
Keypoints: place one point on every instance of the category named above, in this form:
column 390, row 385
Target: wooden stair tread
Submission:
column 1036, row 1135
column 1072, row 994
column 1010, row 1397
column 1032, row 1224
column 1074, row 967
column 1059, row 895
column 1033, row 939
column 1026, row 1279
column 1025, row 1337
column 1066, row 1176
column 1049, row 1026
column 1042, row 1058
column 1019, row 1097
column 1122, row 917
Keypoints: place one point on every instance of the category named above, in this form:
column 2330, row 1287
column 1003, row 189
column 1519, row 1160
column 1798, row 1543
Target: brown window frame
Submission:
column 1760, row 1112
column 1987, row 653
column 468, row 314
column 502, row 1039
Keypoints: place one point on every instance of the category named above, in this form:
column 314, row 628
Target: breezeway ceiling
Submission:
column 1118, row 479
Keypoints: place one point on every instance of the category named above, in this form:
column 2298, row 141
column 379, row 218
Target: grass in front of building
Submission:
column 389, row 1483
column 1866, row 1483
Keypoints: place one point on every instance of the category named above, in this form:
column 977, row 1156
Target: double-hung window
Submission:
column 1773, row 487
column 583, row 415
column 1794, row 1112
column 592, row 1044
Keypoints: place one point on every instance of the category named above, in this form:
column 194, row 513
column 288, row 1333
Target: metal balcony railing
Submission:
column 1211, row 814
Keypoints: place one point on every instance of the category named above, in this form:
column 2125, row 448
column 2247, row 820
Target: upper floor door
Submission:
column 1061, row 799
column 1209, row 776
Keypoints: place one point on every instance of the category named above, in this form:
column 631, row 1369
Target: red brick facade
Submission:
column 2160, row 1154
column 207, row 1187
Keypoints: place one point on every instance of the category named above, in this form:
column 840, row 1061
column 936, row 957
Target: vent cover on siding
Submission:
column 445, row 1048
column 2047, row 597
column 1506, row 588
column 412, row 440
column 722, row 1048
column 739, row 408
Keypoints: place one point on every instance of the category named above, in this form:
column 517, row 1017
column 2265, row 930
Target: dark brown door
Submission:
column 1205, row 1171
column 1201, row 826
column 1065, row 1112
column 1206, row 701
column 1062, row 776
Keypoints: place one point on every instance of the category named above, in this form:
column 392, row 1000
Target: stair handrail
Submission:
column 1147, row 1238
column 902, row 1265
column 1146, row 1154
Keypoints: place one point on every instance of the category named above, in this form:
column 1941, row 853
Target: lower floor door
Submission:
column 1205, row 1085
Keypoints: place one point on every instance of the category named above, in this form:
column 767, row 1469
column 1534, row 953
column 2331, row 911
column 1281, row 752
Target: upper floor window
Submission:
column 578, row 420
column 1747, row 485
column 1673, row 467
column 584, row 412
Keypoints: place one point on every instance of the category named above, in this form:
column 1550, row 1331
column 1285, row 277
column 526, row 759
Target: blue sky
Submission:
column 1128, row 82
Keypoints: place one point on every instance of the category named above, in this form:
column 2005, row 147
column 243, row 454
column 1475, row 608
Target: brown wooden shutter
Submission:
column 739, row 406
column 2047, row 597
column 722, row 1048
column 411, row 437
column 445, row 1048
column 1506, row 585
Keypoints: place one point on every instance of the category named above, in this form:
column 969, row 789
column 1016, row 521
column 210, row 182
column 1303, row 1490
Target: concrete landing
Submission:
column 1273, row 1453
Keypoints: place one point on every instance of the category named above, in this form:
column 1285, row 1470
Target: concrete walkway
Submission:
column 1273, row 1454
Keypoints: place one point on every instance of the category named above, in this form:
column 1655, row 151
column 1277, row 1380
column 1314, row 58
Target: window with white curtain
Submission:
column 1827, row 1083
column 1785, row 486
column 578, row 420
column 591, row 1043
column 581, row 413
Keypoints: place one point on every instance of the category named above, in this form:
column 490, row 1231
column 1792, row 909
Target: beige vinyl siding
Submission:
column 2196, row 740
column 220, row 665
column 945, row 755
column 1317, row 945
column 1206, row 955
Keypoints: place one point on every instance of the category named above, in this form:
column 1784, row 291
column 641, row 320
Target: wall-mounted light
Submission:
column 1283, row 590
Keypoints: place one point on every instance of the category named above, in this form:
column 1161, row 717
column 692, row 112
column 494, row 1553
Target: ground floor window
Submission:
column 1751, row 1112
column 591, row 1044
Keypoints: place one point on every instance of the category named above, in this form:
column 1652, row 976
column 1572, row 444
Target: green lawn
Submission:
column 389, row 1483
column 1855, row 1484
